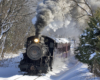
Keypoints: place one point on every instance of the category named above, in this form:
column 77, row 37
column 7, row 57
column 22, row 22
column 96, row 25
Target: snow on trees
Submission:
column 88, row 50
column 12, row 19
column 8, row 12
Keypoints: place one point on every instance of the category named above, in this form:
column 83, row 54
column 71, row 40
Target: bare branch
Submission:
column 88, row 7
column 85, row 2
column 80, row 16
column 27, row 14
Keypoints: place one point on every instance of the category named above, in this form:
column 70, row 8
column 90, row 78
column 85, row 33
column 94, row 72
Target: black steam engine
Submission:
column 39, row 55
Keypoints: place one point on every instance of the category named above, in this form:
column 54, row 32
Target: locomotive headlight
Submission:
column 36, row 40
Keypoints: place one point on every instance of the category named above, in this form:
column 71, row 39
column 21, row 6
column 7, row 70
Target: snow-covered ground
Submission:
column 63, row 69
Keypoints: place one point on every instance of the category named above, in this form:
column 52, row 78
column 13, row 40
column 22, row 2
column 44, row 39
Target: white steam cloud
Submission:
column 55, row 18
column 70, row 27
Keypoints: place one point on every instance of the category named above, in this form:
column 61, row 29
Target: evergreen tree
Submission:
column 88, row 50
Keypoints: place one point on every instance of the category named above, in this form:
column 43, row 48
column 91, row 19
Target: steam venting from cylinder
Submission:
column 47, row 12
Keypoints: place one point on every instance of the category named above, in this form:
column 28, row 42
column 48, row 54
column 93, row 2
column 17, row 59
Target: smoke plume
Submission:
column 48, row 11
column 59, row 19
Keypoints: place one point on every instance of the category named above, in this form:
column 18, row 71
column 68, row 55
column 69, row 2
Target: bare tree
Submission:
column 11, row 15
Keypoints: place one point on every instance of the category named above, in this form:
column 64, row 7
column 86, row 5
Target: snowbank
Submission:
column 63, row 69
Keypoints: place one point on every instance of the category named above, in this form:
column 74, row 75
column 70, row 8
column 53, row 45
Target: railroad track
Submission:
column 35, row 78
column 19, row 78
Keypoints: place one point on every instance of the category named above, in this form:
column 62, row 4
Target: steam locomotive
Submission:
column 39, row 55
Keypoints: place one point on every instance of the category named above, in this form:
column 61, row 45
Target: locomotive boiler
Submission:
column 39, row 55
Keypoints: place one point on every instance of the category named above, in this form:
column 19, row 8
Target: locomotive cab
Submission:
column 39, row 55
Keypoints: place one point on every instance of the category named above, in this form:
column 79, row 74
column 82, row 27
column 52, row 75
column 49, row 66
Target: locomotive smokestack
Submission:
column 47, row 11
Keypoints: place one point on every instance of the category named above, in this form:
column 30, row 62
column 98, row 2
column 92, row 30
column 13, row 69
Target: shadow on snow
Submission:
column 9, row 66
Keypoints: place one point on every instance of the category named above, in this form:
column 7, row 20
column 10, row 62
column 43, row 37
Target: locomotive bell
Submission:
column 34, row 52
